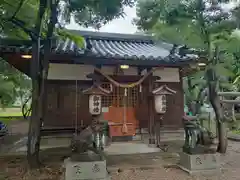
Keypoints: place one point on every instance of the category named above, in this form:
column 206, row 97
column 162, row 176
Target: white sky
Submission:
column 124, row 25
column 121, row 25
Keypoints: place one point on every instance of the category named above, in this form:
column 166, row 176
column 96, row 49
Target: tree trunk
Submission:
column 215, row 102
column 45, row 61
column 222, row 133
column 35, row 121
column 34, row 125
column 222, row 137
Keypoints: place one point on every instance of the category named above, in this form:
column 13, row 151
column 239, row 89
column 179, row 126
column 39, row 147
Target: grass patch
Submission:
column 10, row 113
column 236, row 131
column 7, row 120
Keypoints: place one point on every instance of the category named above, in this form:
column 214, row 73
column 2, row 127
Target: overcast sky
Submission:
column 121, row 25
column 124, row 25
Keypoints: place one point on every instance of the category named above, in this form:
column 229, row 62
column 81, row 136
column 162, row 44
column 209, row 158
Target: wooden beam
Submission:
column 229, row 93
column 230, row 101
column 83, row 59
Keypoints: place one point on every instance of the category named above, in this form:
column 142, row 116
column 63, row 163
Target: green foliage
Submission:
column 18, row 19
column 184, row 33
column 205, row 26
column 26, row 16
column 77, row 39
column 13, row 84
column 97, row 12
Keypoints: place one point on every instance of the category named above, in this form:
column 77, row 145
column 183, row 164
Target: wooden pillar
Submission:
column 151, row 111
column 96, row 80
column 157, row 125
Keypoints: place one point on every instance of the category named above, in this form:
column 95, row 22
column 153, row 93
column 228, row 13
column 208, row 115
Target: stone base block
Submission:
column 85, row 170
column 200, row 163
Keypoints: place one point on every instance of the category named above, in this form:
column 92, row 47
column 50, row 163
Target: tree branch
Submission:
column 201, row 22
column 18, row 8
column 8, row 3
column 19, row 23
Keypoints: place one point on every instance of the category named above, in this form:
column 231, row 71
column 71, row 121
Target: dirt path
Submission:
column 230, row 164
column 17, row 130
column 16, row 168
column 18, row 127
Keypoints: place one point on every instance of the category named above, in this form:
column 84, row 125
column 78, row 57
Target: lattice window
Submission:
column 117, row 97
column 107, row 100
column 132, row 97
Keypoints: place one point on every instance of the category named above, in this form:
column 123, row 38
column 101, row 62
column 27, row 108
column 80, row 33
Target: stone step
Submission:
column 162, row 130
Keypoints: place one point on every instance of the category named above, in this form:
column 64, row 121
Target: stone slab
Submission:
column 87, row 170
column 130, row 148
column 200, row 163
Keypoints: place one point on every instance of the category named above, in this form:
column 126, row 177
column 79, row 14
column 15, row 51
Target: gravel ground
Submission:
column 17, row 130
column 18, row 127
column 230, row 170
column 17, row 170
column 171, row 174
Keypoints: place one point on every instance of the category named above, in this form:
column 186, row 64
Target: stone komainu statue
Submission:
column 195, row 135
column 84, row 141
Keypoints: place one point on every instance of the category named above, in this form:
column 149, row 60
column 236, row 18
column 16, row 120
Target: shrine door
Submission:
column 119, row 110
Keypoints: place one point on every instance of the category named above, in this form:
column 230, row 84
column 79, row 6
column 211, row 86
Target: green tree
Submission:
column 94, row 13
column 17, row 83
column 199, row 24
column 13, row 84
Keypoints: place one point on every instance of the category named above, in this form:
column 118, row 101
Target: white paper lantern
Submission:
column 160, row 104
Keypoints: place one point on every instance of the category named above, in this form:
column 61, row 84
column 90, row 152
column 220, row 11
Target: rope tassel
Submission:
column 124, row 128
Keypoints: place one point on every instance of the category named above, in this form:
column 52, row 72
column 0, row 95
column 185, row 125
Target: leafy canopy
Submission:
column 202, row 25
column 18, row 18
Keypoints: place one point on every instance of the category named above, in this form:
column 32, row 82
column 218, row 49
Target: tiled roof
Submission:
column 122, row 46
column 114, row 46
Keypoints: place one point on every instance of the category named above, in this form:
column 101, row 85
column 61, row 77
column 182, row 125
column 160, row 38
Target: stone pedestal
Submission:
column 85, row 168
column 200, row 163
